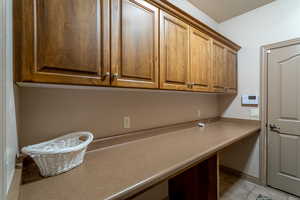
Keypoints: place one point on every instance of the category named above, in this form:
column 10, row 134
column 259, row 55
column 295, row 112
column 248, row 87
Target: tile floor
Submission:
column 235, row 188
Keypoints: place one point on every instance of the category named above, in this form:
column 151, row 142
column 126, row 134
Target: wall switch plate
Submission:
column 126, row 122
column 250, row 100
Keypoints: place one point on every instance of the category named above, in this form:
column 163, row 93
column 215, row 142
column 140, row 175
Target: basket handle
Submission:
column 30, row 150
column 89, row 139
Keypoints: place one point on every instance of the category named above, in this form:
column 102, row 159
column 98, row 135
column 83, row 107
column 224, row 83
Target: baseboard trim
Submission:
column 241, row 175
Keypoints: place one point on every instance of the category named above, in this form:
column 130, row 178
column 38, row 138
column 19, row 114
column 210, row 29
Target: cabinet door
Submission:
column 219, row 67
column 231, row 60
column 200, row 60
column 134, row 44
column 174, row 53
column 64, row 41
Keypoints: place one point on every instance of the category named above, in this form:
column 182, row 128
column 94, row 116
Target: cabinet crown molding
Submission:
column 178, row 12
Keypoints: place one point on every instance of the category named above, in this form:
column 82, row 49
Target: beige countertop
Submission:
column 120, row 171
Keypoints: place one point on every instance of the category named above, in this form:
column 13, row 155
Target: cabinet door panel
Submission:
column 70, row 41
column 231, row 59
column 200, row 64
column 174, row 53
column 134, row 44
column 68, row 44
column 219, row 67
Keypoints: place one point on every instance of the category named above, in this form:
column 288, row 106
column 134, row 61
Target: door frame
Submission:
column 3, row 32
column 265, row 50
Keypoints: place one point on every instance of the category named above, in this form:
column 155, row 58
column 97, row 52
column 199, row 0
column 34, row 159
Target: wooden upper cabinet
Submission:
column 134, row 44
column 200, row 61
column 174, row 53
column 123, row 43
column 219, row 74
column 62, row 41
column 231, row 60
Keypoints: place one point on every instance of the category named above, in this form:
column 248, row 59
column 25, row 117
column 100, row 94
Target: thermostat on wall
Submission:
column 250, row 100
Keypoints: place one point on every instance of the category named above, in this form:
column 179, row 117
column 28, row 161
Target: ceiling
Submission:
column 222, row 10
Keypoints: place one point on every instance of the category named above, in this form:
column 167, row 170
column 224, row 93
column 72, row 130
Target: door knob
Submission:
column 273, row 127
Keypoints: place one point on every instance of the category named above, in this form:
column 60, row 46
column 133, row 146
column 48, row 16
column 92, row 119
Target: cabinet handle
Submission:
column 105, row 75
column 192, row 85
column 189, row 85
column 115, row 76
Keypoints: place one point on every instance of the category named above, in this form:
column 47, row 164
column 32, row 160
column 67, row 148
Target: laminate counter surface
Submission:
column 120, row 171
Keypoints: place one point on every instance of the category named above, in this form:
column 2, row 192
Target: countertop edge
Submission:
column 164, row 175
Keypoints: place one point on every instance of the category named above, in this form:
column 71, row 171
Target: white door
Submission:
column 284, row 118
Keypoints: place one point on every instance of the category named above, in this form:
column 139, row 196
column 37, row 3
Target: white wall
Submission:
column 272, row 23
column 195, row 12
column 10, row 131
column 2, row 106
column 275, row 22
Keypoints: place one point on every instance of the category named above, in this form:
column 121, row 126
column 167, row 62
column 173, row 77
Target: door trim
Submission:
column 264, row 104
column 3, row 175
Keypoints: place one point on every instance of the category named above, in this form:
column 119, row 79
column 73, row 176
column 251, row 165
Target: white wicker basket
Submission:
column 61, row 154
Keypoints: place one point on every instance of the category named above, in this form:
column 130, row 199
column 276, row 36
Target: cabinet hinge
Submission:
column 268, row 51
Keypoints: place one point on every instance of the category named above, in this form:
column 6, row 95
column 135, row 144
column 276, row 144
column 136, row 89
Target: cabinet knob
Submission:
column 105, row 75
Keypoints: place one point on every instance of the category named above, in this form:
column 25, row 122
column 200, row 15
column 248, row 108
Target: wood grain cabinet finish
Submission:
column 174, row 53
column 122, row 43
column 231, row 64
column 63, row 41
column 200, row 61
column 134, row 44
column 219, row 67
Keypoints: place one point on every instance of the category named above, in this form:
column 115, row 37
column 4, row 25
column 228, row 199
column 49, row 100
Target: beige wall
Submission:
column 50, row 112
column 243, row 156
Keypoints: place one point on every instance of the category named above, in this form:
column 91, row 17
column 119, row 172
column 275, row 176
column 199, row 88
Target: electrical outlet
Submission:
column 126, row 122
column 199, row 113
